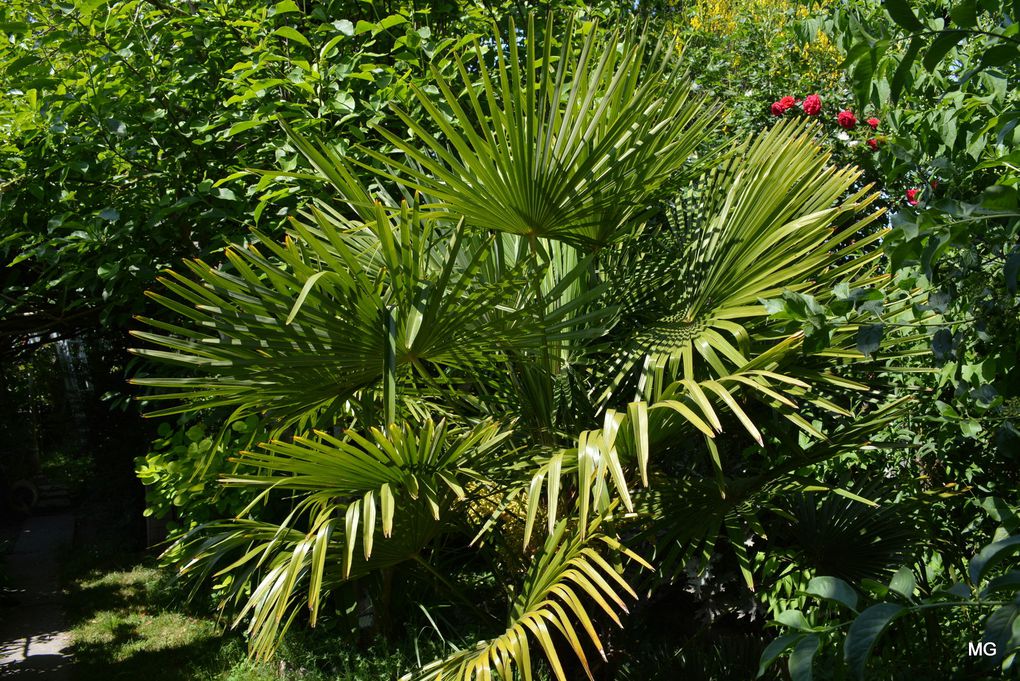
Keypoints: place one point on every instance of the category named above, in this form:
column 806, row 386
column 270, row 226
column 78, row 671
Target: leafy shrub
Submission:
column 951, row 614
column 183, row 468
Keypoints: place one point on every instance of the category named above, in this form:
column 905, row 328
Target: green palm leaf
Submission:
column 370, row 478
column 532, row 280
column 775, row 216
column 553, row 145
column 277, row 570
column 567, row 575
column 301, row 333
column 405, row 479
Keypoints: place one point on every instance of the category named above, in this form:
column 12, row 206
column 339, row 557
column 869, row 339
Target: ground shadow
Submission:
column 36, row 667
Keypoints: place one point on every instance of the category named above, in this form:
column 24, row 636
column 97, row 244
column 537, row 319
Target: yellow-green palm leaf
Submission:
column 567, row 141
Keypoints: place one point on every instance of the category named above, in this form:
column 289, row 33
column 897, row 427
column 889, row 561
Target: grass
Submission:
column 127, row 628
column 131, row 622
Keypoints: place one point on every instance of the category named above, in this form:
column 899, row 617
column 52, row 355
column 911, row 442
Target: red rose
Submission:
column 846, row 119
column 812, row 105
column 912, row 196
column 873, row 122
column 780, row 107
column 873, row 143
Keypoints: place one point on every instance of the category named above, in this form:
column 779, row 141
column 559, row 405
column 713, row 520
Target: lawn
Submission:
column 134, row 622
column 125, row 627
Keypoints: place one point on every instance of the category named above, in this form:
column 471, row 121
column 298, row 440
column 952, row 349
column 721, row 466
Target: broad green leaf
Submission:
column 285, row 6
column 794, row 619
column 1011, row 270
column 244, row 125
column 903, row 69
column 1000, row 55
column 869, row 338
column 903, row 583
column 802, row 656
column 999, row 629
column 946, row 410
column 940, row 47
column 903, row 14
column 990, row 556
column 864, row 632
column 774, row 649
column 1008, row 582
column 971, row 428
column 291, row 33
column 393, row 20
column 833, row 589
column 959, row 590
column 964, row 13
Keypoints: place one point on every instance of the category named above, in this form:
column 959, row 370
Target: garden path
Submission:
column 34, row 643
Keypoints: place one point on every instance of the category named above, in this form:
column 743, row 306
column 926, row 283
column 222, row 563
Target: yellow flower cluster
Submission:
column 821, row 59
column 770, row 24
column 722, row 17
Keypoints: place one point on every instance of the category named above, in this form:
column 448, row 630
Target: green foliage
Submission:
column 988, row 597
column 749, row 53
column 126, row 128
column 947, row 85
column 552, row 147
column 380, row 310
column 181, row 471
column 949, row 118
column 524, row 306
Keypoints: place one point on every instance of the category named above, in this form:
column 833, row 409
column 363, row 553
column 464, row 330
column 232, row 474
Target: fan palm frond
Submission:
column 277, row 571
column 370, row 478
column 567, row 576
column 845, row 538
column 549, row 144
column 404, row 479
column 527, row 281
column 303, row 332
column 775, row 217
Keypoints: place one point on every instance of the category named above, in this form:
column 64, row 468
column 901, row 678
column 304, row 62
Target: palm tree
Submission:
column 538, row 327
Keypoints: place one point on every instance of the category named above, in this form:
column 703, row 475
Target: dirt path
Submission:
column 34, row 643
